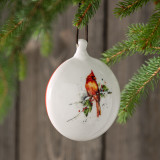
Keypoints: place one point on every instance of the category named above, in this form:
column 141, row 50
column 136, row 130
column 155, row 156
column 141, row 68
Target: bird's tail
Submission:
column 98, row 108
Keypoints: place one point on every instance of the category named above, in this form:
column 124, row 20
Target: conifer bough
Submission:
column 34, row 18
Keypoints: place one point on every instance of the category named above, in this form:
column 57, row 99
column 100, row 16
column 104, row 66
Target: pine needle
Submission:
column 87, row 9
column 126, row 7
column 146, row 78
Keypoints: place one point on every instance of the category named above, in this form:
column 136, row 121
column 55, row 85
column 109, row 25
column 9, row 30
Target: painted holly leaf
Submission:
column 104, row 88
column 90, row 108
column 102, row 95
column 87, row 103
column 86, row 111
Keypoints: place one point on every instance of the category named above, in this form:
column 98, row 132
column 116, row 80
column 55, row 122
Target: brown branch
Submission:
column 149, row 38
column 81, row 18
column 129, row 6
column 5, row 36
column 120, row 52
column 156, row 47
column 156, row 2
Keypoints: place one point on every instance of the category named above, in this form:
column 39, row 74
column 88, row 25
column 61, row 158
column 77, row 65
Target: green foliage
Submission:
column 138, row 87
column 126, row 7
column 141, row 39
column 16, row 32
column 104, row 88
column 85, row 12
column 88, row 107
column 134, row 44
column 20, row 27
column 151, row 32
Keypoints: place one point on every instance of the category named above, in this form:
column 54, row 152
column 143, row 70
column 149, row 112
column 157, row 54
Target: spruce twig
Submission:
column 152, row 30
column 133, row 45
column 138, row 87
column 126, row 7
column 87, row 9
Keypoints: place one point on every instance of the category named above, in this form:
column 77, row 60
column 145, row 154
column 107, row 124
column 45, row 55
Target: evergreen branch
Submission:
column 147, row 77
column 81, row 18
column 158, row 48
column 5, row 35
column 156, row 2
column 9, row 32
column 125, row 49
column 29, row 29
column 35, row 20
column 152, row 30
column 130, row 46
column 116, row 53
column 15, row 34
column 126, row 7
column 87, row 9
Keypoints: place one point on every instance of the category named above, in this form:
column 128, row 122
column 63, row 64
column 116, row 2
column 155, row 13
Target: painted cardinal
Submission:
column 93, row 90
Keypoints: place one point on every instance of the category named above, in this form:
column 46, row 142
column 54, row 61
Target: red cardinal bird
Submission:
column 93, row 90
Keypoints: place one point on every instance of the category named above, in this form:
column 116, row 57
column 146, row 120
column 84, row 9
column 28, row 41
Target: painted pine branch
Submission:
column 146, row 78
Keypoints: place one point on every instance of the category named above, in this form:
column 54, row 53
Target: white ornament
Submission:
column 82, row 96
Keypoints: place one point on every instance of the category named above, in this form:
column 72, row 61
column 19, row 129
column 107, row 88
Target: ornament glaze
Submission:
column 82, row 96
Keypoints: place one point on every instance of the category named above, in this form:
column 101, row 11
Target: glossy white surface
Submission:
column 67, row 86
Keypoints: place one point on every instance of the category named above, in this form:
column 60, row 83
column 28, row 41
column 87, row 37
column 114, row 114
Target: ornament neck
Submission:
column 81, row 51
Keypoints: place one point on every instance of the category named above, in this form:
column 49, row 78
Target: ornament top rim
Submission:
column 82, row 43
column 81, row 51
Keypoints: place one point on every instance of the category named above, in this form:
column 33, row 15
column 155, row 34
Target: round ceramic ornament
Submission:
column 82, row 96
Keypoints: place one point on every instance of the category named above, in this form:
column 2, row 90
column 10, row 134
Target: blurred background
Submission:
column 27, row 134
